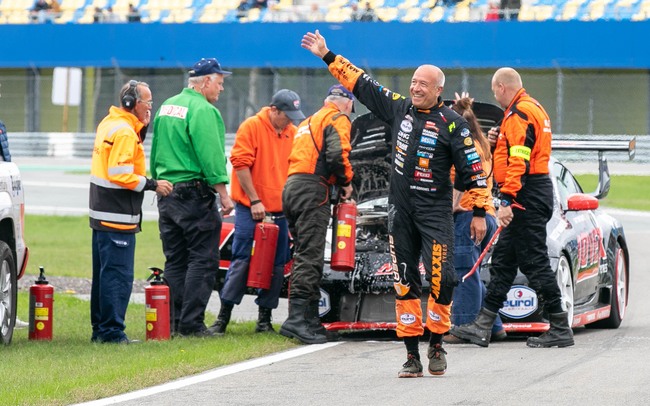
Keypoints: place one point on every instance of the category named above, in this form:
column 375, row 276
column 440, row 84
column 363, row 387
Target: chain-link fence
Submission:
column 578, row 101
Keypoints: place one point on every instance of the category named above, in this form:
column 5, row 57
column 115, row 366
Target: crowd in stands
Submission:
column 243, row 11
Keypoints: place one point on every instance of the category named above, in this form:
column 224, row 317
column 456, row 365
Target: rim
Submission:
column 621, row 283
column 565, row 282
column 5, row 298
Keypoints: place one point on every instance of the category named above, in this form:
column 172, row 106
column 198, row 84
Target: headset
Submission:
column 129, row 98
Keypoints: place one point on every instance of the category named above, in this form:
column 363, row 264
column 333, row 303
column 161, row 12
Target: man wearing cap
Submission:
column 427, row 139
column 318, row 160
column 259, row 158
column 188, row 149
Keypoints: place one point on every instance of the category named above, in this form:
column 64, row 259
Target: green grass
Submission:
column 62, row 246
column 626, row 191
column 71, row 369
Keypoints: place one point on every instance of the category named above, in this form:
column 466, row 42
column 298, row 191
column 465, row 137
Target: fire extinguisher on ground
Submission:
column 41, row 308
column 344, row 230
column 157, row 301
column 265, row 242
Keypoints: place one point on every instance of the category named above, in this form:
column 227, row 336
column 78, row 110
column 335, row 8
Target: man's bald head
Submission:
column 427, row 84
column 506, row 82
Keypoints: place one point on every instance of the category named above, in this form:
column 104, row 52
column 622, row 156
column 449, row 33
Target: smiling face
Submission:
column 426, row 86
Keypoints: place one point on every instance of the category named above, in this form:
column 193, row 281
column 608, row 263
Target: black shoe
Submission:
column 202, row 333
column 559, row 334
column 297, row 324
column 126, row 341
column 263, row 324
column 219, row 326
column 479, row 331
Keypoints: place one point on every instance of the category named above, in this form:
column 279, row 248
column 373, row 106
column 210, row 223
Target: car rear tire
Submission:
column 565, row 283
column 8, row 293
column 618, row 294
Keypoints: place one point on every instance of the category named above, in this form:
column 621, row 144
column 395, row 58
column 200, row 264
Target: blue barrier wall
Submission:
column 537, row 45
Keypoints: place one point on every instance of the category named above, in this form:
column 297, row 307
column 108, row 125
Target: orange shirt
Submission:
column 260, row 148
column 524, row 144
column 467, row 201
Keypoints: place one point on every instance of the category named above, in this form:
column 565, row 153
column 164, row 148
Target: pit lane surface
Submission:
column 605, row 367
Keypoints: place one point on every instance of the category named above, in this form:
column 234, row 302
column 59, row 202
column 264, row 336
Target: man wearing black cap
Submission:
column 260, row 161
column 318, row 160
column 188, row 149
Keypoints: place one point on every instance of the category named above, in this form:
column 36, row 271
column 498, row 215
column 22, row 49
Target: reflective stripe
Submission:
column 114, row 217
column 520, row 151
column 105, row 183
column 115, row 129
column 141, row 184
column 120, row 170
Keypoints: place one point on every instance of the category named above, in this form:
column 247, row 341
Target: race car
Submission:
column 587, row 247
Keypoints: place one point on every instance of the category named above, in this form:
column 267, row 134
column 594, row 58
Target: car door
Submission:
column 582, row 238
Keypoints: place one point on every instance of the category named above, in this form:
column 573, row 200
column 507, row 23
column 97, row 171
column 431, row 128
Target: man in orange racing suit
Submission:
column 427, row 139
column 521, row 170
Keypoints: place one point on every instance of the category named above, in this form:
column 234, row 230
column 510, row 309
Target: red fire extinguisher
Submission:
column 157, row 302
column 344, row 233
column 265, row 241
column 41, row 308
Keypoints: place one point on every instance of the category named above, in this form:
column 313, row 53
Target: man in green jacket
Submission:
column 188, row 149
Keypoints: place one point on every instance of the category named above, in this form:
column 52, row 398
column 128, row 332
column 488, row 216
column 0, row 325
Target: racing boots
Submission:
column 219, row 326
column 559, row 334
column 479, row 331
column 263, row 324
column 412, row 368
column 298, row 323
column 437, row 359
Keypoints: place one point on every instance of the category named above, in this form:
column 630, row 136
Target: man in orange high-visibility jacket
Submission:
column 521, row 170
column 318, row 160
column 117, row 185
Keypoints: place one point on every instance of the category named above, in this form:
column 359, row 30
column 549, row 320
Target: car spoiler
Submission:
column 601, row 146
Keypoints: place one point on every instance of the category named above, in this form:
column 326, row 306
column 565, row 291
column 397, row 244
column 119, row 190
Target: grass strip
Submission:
column 71, row 369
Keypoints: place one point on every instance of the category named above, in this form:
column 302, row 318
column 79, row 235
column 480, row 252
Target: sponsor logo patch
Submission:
column 407, row 318
column 521, row 302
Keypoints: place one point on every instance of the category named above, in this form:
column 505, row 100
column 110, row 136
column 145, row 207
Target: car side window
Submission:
column 566, row 183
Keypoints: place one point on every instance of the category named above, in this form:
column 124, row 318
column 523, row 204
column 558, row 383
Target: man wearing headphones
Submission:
column 188, row 150
column 117, row 185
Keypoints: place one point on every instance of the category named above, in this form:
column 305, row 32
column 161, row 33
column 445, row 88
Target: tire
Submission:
column 565, row 283
column 8, row 293
column 618, row 294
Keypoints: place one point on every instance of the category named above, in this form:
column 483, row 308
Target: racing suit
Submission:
column 426, row 143
column 521, row 171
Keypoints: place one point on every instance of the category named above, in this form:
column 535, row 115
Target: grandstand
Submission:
column 334, row 11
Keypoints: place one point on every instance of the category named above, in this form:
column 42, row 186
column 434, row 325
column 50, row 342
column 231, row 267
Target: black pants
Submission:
column 305, row 201
column 523, row 245
column 190, row 226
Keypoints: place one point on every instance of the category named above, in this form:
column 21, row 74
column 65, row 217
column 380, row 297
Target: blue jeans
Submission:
column 234, row 287
column 113, row 255
column 468, row 295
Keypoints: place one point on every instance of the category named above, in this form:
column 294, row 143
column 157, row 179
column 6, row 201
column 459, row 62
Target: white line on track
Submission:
column 209, row 375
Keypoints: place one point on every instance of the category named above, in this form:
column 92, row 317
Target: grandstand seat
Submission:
column 436, row 14
column 387, row 13
column 412, row 14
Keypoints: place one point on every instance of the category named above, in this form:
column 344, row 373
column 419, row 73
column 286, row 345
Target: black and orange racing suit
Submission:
column 318, row 159
column 521, row 171
column 426, row 143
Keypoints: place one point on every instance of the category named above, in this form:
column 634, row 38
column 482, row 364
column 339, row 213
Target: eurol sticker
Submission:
column 521, row 302
column 407, row 318
column 324, row 304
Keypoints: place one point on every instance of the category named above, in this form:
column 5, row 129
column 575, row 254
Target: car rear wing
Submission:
column 602, row 146
column 628, row 145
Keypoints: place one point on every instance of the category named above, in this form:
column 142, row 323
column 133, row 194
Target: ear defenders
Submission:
column 129, row 98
